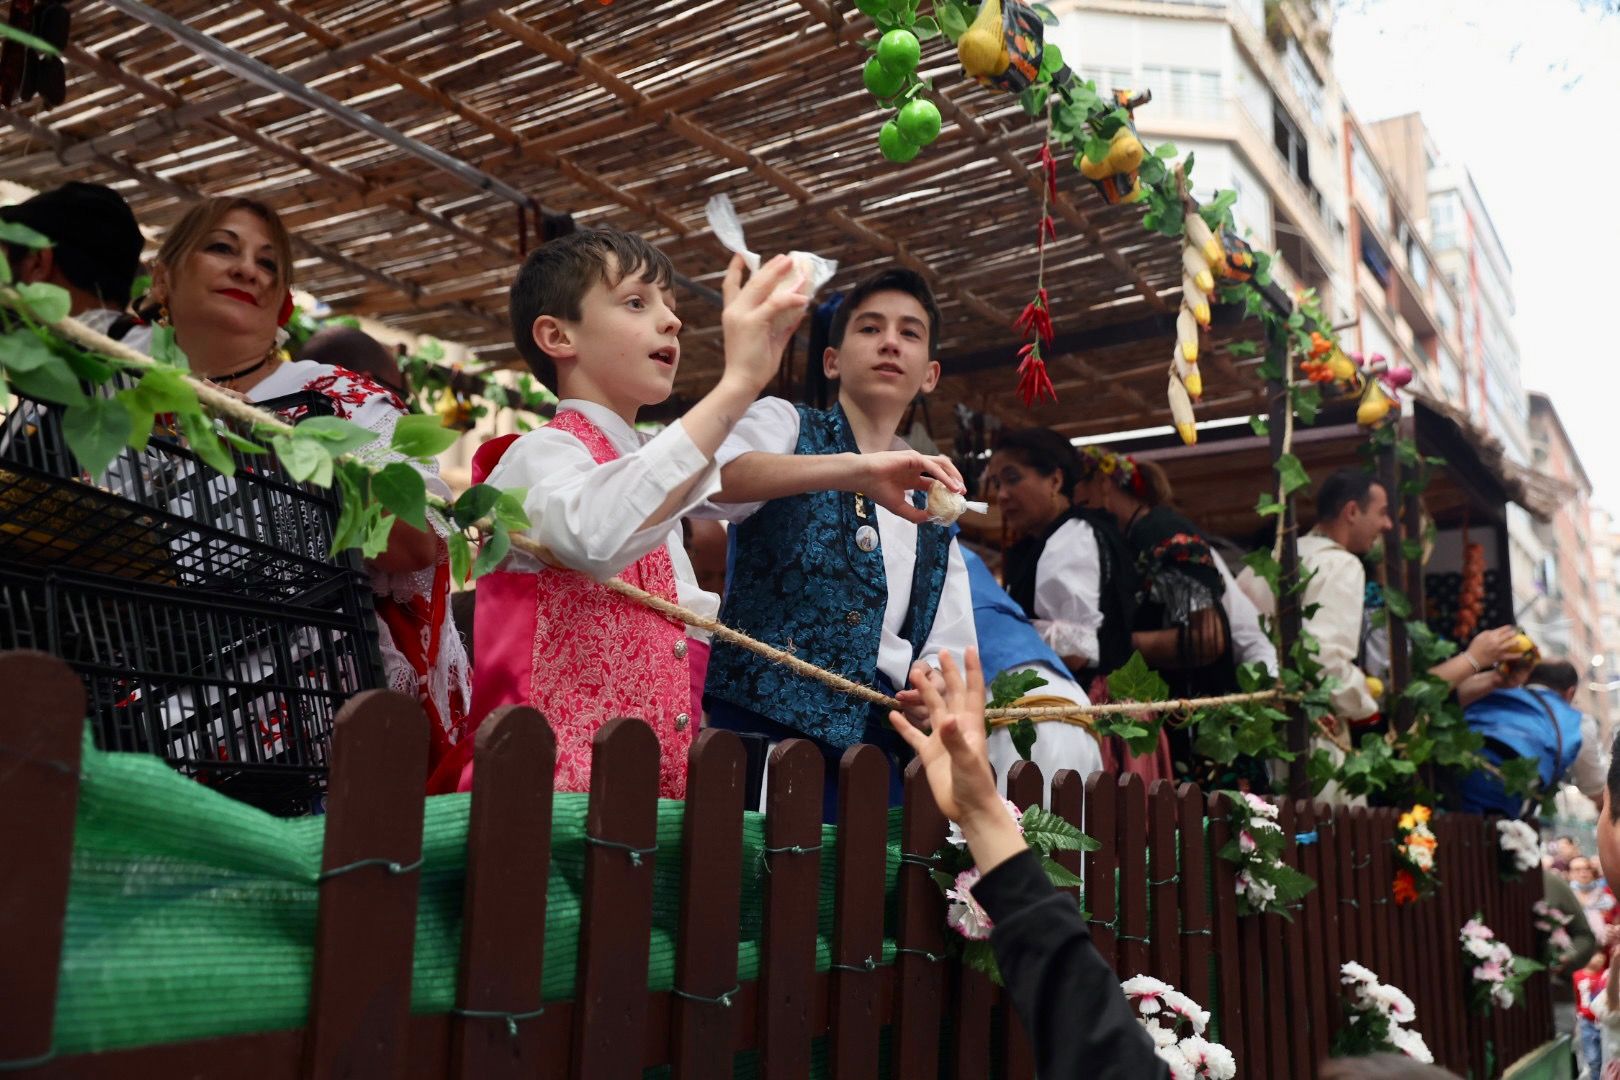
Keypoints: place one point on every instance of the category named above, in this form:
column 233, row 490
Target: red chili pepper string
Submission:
column 1034, row 323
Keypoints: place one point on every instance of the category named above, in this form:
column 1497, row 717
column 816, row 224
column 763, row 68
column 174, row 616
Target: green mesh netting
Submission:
column 193, row 916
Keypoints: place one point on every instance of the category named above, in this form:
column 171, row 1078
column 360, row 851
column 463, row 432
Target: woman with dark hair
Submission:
column 1068, row 567
column 223, row 280
column 1180, row 625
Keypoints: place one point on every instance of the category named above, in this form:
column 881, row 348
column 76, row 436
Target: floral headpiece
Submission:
column 1119, row 468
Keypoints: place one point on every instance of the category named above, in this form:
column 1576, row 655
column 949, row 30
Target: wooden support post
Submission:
column 1412, row 515
column 1288, row 612
column 1400, row 657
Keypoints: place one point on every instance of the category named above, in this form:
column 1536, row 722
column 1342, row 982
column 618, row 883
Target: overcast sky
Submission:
column 1527, row 95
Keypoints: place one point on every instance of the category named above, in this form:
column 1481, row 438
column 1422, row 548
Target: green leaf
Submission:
column 400, row 488
column 492, row 551
column 1262, row 268
column 475, row 504
column 49, row 303
column 351, row 521
column 1292, row 474
column 166, row 351
column 423, row 437
column 96, row 429
column 1045, row 13
column 377, row 535
column 1521, row 775
column 1397, row 603
column 1412, row 548
column 27, row 39
column 1051, row 58
column 979, row 956
column 338, row 435
column 245, row 446
column 5, row 396
column 1009, row 686
column 460, row 558
column 1165, row 151
column 1023, row 734
column 15, row 232
column 1059, row 875
column 1268, row 506
column 1151, row 172
column 304, row 458
column 205, row 443
column 5, row 268
column 925, row 28
column 23, row 350
column 140, row 287
column 951, row 20
column 49, row 382
column 1259, row 425
column 1135, row 681
column 1046, row 832
column 509, row 509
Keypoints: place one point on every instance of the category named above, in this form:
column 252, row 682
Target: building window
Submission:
column 1290, row 144
column 1185, row 92
column 1443, row 222
column 1373, row 256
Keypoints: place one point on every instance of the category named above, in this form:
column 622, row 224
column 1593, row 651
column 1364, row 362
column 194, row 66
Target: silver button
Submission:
column 866, row 538
column 681, row 721
column 680, row 649
column 853, row 618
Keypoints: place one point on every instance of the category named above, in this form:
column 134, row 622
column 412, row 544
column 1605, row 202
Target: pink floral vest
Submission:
column 582, row 655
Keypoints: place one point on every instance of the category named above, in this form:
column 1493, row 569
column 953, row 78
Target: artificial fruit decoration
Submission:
column 1181, row 411
column 1003, row 48
column 1375, row 404
column 1188, row 374
column 1115, row 172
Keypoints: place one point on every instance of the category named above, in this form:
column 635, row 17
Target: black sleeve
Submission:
column 1069, row 999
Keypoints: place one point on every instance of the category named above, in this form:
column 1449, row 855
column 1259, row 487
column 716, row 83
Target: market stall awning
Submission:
column 462, row 130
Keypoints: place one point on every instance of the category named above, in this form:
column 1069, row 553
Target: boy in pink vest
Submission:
column 593, row 313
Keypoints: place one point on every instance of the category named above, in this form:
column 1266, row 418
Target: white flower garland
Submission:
column 1554, row 924
column 1497, row 975
column 1165, row 1012
column 1263, row 882
column 1520, row 843
column 1377, row 1012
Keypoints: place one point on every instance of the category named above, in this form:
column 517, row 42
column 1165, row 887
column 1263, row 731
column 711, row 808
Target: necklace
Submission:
column 220, row 380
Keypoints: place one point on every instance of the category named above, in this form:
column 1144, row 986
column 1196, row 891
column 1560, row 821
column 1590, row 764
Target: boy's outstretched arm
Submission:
column 884, row 477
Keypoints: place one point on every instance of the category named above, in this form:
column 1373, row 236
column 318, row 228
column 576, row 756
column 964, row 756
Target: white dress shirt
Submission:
column 1068, row 591
column 593, row 517
column 771, row 426
column 1338, row 588
column 1250, row 644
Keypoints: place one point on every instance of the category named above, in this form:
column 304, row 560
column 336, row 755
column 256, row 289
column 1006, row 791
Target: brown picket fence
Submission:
column 1272, row 984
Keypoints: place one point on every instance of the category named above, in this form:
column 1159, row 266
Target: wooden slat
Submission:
column 1068, row 803
column 1102, row 795
column 1297, row 958
column 1133, row 842
column 863, row 800
column 360, row 994
column 974, row 998
column 1197, row 934
column 41, row 735
column 711, row 891
column 504, row 912
column 1024, row 789
column 615, row 921
column 921, row 908
column 1321, row 976
column 1164, row 884
column 792, row 885
column 1229, row 968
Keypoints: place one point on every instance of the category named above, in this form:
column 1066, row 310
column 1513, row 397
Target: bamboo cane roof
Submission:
column 631, row 114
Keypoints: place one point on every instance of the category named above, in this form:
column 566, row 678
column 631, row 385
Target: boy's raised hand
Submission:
column 759, row 318
column 953, row 752
column 886, row 478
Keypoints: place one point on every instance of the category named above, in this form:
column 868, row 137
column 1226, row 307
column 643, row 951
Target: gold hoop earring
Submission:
column 163, row 315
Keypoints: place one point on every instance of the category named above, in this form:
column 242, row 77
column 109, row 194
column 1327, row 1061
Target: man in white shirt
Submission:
column 1352, row 512
column 94, row 254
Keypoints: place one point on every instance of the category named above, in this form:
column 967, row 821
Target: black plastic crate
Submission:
column 161, row 516
column 240, row 694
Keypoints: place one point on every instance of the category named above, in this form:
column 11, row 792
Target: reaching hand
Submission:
column 888, row 476
column 759, row 318
column 953, row 753
column 1491, row 647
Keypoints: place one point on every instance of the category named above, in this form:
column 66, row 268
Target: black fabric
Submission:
column 1068, row 998
column 1116, row 587
column 1176, row 573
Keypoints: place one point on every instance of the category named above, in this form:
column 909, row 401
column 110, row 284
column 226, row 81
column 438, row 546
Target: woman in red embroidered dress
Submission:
column 223, row 278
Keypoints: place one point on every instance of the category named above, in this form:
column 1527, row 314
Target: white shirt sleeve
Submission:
column 1249, row 641
column 953, row 628
column 770, row 426
column 1339, row 589
column 1068, row 585
column 688, row 593
column 593, row 517
column 1590, row 772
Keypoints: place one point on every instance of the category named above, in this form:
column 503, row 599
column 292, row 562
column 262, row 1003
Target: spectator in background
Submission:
column 1564, row 849
column 1593, row 892
column 358, row 351
column 1590, row 981
column 95, row 254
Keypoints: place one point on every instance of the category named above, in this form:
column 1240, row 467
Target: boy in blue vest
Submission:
column 1537, row 720
column 834, row 558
